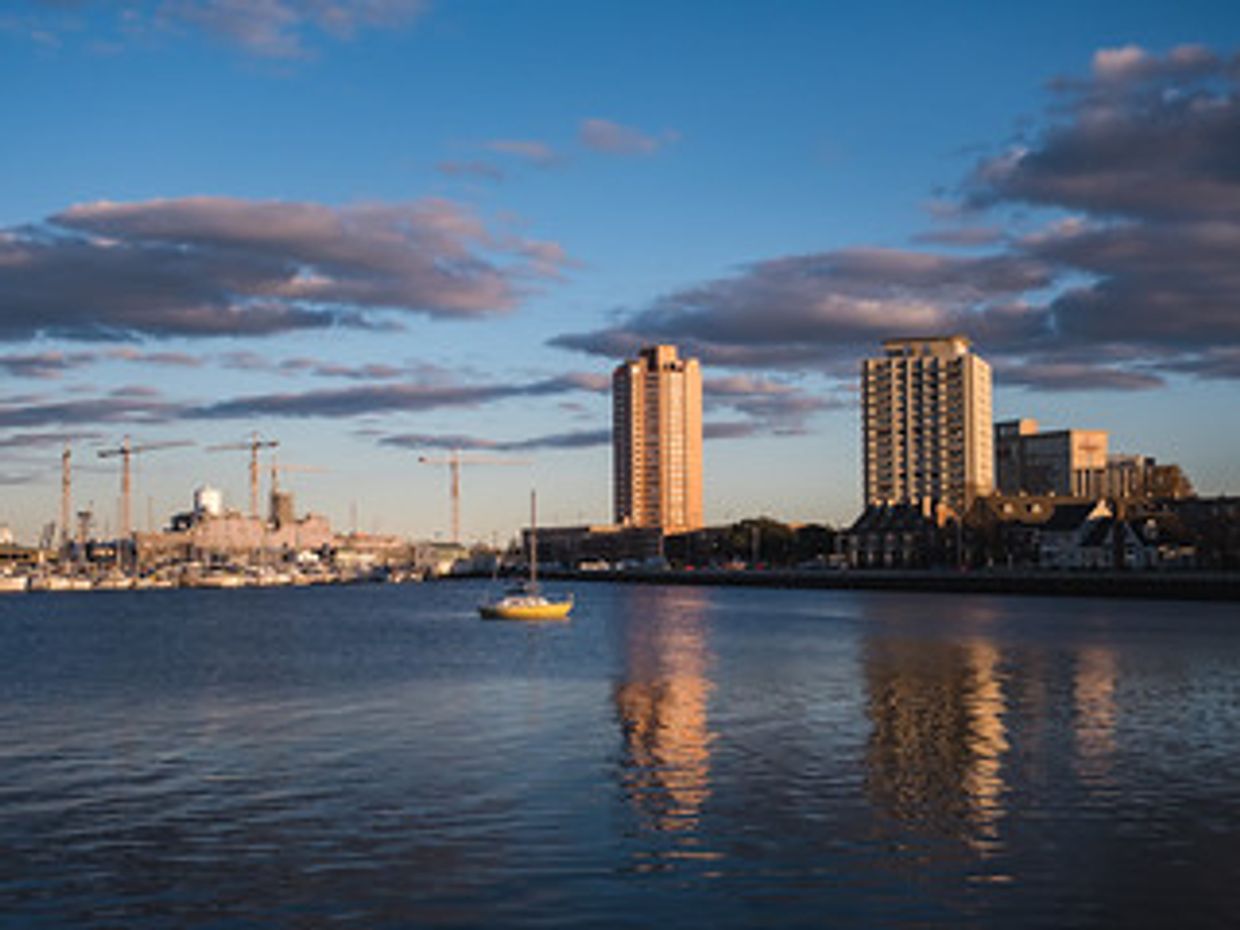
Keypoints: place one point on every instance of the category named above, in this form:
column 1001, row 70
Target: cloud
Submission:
column 578, row 439
column 477, row 170
column 574, row 439
column 166, row 359
column 276, row 29
column 1136, row 280
column 602, row 135
column 963, row 236
column 364, row 372
column 38, row 440
column 382, row 398
column 212, row 266
column 1076, row 376
column 44, row 365
column 124, row 406
column 529, row 150
column 822, row 309
column 778, row 408
column 1147, row 137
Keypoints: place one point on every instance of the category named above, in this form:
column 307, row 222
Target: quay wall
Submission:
column 1194, row 586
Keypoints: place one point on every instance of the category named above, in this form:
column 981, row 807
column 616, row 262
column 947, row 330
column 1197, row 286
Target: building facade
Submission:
column 1067, row 462
column 657, row 441
column 927, row 431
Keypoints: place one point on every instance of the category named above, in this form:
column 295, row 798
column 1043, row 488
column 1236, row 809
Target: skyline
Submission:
column 370, row 230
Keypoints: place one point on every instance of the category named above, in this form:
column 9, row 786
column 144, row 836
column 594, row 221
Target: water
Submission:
column 376, row 757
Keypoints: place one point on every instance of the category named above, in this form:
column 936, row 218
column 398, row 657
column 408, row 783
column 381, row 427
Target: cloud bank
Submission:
column 1134, row 277
column 272, row 29
column 219, row 266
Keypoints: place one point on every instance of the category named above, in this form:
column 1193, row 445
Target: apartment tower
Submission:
column 657, row 441
column 927, row 424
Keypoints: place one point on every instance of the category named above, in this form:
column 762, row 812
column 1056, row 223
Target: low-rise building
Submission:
column 902, row 536
column 569, row 546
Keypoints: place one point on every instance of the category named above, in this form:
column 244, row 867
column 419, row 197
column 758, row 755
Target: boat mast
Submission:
column 533, row 538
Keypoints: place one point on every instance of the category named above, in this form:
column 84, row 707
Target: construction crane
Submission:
column 454, row 463
column 66, row 490
column 126, row 451
column 254, row 445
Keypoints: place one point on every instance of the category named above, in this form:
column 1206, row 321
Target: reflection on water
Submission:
column 987, row 742
column 661, row 703
column 936, row 751
column 1094, row 698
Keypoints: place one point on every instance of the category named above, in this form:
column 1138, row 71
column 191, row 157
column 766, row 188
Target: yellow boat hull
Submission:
column 553, row 610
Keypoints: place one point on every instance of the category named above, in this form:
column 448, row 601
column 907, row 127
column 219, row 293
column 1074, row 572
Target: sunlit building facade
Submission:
column 1066, row 462
column 927, row 433
column 657, row 441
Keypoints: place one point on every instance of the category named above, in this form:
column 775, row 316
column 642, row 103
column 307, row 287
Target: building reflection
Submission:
column 1093, row 693
column 661, row 704
column 936, row 753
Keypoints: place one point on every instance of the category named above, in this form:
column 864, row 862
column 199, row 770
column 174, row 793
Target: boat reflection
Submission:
column 662, row 706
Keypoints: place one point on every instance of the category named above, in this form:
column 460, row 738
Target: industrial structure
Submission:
column 657, row 441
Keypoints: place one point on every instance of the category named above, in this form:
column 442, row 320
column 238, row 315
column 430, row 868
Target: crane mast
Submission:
column 454, row 461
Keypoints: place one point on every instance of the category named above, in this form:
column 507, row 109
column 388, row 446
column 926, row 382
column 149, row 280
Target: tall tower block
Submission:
column 927, row 425
column 657, row 441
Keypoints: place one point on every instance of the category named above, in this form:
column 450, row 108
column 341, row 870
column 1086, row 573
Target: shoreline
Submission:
column 1189, row 586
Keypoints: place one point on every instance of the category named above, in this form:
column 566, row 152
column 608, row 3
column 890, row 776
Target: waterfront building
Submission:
column 1067, row 462
column 657, row 441
column 901, row 536
column 610, row 544
column 211, row 533
column 1131, row 477
column 926, row 424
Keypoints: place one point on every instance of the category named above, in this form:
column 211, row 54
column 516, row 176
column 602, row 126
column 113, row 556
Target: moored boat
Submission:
column 527, row 602
column 12, row 584
column 525, row 605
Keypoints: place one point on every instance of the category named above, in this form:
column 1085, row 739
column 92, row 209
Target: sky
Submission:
column 380, row 230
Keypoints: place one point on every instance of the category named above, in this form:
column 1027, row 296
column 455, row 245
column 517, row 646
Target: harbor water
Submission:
column 378, row 757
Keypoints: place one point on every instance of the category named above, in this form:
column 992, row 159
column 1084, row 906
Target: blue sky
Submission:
column 374, row 229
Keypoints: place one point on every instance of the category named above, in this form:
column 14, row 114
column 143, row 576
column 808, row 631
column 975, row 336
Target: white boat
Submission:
column 113, row 583
column 11, row 584
column 527, row 602
column 59, row 583
column 220, row 580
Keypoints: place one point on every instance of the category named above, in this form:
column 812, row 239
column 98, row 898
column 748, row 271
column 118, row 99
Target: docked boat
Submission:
column 59, row 583
column 12, row 584
column 527, row 602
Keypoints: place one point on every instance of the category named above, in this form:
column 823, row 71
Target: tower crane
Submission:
column 254, row 445
column 125, row 451
column 66, row 489
column 277, row 468
column 454, row 461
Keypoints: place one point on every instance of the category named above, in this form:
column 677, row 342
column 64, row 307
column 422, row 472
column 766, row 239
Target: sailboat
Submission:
column 525, row 602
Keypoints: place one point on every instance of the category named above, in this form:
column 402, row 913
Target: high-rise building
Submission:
column 1066, row 462
column 657, row 441
column 926, row 423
